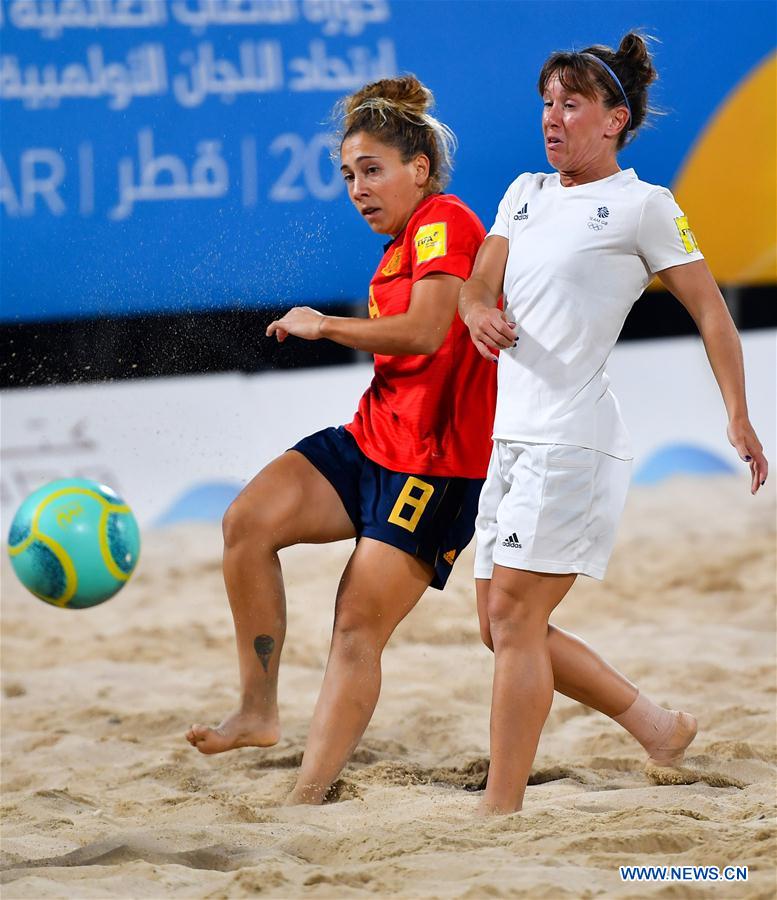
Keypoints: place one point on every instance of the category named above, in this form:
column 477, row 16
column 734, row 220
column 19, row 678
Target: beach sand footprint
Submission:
column 128, row 848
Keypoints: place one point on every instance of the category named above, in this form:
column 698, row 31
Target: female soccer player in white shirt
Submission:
column 571, row 252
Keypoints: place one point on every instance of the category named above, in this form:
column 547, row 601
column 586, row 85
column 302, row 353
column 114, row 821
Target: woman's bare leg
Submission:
column 288, row 502
column 519, row 604
column 380, row 586
column 581, row 674
column 578, row 670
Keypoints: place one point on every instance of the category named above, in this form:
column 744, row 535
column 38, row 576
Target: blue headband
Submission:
column 614, row 77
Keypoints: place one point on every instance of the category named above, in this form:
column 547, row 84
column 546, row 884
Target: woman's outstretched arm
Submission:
column 419, row 331
column 696, row 289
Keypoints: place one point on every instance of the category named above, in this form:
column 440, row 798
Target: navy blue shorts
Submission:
column 426, row 516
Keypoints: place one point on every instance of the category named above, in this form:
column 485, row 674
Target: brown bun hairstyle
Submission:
column 395, row 111
column 632, row 64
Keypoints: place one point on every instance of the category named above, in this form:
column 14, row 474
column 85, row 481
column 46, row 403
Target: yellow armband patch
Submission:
column 686, row 235
column 431, row 241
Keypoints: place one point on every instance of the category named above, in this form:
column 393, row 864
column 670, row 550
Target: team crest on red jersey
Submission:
column 394, row 264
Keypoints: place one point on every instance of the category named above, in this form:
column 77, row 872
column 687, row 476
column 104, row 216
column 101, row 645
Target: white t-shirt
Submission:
column 579, row 257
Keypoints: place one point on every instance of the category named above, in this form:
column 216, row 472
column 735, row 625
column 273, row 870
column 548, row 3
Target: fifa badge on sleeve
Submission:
column 686, row 235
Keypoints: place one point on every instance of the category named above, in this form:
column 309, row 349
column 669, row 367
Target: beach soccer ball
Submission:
column 74, row 543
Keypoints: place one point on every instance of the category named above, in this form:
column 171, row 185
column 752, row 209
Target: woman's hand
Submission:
column 301, row 321
column 479, row 300
column 489, row 329
column 745, row 441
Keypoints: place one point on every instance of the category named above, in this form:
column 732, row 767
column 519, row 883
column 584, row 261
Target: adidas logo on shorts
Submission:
column 513, row 542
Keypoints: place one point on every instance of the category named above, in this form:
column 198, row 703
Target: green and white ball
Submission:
column 74, row 543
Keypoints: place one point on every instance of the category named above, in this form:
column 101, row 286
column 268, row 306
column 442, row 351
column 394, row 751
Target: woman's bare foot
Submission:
column 307, row 795
column 487, row 810
column 672, row 749
column 237, row 730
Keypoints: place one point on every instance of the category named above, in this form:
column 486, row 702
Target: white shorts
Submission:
column 549, row 508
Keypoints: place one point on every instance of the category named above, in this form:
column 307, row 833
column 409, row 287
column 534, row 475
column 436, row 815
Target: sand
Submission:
column 102, row 796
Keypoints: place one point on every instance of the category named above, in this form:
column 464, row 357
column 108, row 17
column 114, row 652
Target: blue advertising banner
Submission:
column 175, row 156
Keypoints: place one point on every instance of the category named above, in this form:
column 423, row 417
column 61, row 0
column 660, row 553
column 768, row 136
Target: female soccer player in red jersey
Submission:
column 403, row 477
column 572, row 251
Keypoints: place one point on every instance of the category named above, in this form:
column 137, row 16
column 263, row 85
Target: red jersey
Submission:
column 432, row 414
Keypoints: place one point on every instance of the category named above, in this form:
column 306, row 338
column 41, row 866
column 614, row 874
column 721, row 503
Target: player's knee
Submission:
column 252, row 520
column 485, row 634
column 356, row 634
column 234, row 524
column 511, row 619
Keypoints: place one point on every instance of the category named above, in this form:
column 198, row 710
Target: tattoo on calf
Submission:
column 263, row 645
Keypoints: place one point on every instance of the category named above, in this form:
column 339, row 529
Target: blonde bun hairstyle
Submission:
column 396, row 112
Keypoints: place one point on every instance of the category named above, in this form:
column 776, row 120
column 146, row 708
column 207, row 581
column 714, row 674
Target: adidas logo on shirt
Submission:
column 513, row 542
column 523, row 213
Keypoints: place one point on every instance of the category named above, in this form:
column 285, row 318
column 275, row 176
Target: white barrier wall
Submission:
column 154, row 441
column 668, row 394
